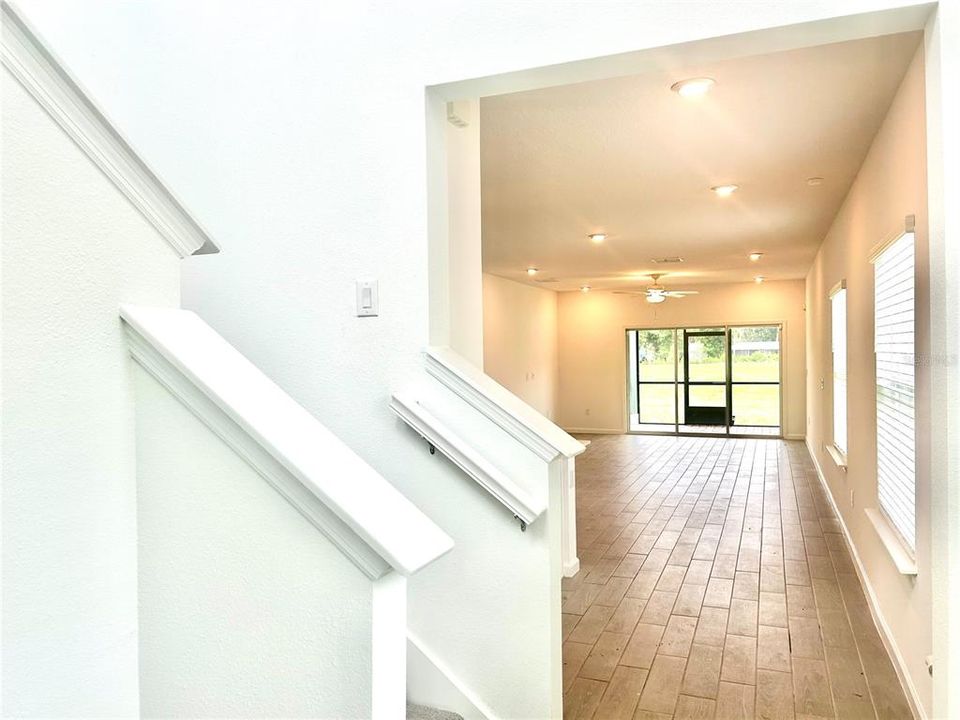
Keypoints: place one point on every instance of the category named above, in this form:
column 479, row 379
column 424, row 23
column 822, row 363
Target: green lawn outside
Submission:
column 766, row 371
column 752, row 404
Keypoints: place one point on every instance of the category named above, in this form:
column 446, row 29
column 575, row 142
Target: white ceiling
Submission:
column 630, row 158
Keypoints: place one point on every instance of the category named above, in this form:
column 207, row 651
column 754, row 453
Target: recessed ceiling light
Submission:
column 754, row 256
column 597, row 237
column 693, row 87
column 725, row 190
column 584, row 288
column 814, row 181
column 759, row 279
column 531, row 271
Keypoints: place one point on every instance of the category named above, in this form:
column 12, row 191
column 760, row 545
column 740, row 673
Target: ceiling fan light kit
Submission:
column 657, row 293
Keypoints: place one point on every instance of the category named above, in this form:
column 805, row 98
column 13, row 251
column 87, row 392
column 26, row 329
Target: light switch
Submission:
column 368, row 298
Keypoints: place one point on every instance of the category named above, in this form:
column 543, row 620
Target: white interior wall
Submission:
column 321, row 178
column 890, row 185
column 74, row 248
column 246, row 609
column 592, row 344
column 489, row 610
column 942, row 65
column 520, row 341
column 463, row 198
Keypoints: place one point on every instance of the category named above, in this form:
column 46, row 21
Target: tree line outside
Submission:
column 656, row 346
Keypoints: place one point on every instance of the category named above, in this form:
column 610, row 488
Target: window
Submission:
column 838, row 346
column 893, row 305
column 722, row 380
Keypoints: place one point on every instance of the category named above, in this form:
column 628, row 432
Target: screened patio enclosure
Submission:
column 705, row 381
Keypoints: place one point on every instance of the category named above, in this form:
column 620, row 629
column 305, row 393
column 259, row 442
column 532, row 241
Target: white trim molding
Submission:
column 567, row 468
column 899, row 664
column 35, row 67
column 901, row 555
column 365, row 516
column 474, row 705
column 473, row 463
column 837, row 455
column 908, row 227
column 502, row 407
column 840, row 285
column 594, row 431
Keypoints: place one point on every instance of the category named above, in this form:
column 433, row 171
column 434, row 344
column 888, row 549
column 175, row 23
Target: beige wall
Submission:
column 592, row 344
column 891, row 184
column 520, row 340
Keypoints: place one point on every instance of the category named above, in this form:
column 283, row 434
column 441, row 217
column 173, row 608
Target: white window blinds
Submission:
column 838, row 332
column 894, row 347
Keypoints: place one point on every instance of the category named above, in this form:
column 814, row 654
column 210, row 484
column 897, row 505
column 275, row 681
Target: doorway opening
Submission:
column 561, row 215
column 722, row 380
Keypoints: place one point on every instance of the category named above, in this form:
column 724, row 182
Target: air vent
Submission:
column 667, row 260
column 545, row 280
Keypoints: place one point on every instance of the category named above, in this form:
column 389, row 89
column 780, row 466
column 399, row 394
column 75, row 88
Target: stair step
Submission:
column 422, row 712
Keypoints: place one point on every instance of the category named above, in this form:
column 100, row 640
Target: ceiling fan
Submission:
column 657, row 293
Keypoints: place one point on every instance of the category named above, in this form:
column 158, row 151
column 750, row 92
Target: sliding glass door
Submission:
column 705, row 378
column 705, row 381
column 755, row 378
column 655, row 367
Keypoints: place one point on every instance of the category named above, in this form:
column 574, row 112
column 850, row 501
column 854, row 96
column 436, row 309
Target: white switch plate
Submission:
column 368, row 298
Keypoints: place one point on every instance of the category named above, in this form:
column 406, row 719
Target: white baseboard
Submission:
column 611, row 431
column 910, row 690
column 430, row 682
column 593, row 431
column 571, row 567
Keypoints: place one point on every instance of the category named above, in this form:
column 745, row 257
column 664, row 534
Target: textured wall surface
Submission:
column 246, row 609
column 891, row 185
column 74, row 249
column 463, row 202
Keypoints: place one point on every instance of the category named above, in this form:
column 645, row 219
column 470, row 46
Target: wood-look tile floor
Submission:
column 715, row 583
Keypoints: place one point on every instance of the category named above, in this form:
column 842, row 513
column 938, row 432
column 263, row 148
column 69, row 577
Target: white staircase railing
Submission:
column 86, row 226
column 525, row 467
column 525, row 504
column 527, row 426
column 214, row 540
column 522, row 422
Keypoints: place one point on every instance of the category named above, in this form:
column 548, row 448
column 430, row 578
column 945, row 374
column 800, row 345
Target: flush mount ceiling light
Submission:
column 597, row 237
column 754, row 256
column 584, row 288
column 532, row 271
column 814, row 181
column 759, row 279
column 693, row 87
column 725, row 190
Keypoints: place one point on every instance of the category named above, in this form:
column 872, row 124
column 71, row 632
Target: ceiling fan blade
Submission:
column 681, row 293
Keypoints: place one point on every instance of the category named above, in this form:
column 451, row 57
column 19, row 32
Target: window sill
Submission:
column 839, row 458
column 902, row 557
